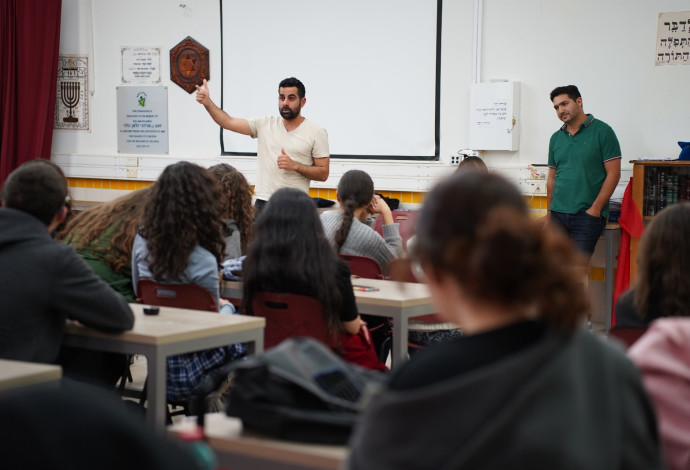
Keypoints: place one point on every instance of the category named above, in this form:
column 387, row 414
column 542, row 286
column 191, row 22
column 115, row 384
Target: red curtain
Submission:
column 30, row 38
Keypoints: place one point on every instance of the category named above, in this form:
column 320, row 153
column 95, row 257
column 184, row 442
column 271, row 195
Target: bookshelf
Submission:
column 657, row 184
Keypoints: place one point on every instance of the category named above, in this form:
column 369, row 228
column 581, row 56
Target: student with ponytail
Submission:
column 526, row 386
column 349, row 230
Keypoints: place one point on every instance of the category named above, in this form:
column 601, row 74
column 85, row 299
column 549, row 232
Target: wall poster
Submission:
column 72, row 98
column 673, row 39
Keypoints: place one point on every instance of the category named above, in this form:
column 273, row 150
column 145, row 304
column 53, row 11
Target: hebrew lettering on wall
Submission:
column 673, row 39
column 72, row 99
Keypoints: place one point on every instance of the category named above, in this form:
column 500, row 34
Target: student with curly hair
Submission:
column 527, row 386
column 290, row 254
column 181, row 241
column 349, row 230
column 104, row 234
column 238, row 212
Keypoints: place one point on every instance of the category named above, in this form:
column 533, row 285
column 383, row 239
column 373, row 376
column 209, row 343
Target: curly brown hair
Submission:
column 183, row 212
column 236, row 200
column 122, row 215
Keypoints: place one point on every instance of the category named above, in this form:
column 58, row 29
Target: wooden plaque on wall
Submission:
column 189, row 64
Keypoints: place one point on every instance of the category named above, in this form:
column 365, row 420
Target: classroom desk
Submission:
column 19, row 374
column 398, row 300
column 247, row 451
column 173, row 331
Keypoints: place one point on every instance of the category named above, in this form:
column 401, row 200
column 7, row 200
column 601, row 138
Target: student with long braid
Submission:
column 349, row 230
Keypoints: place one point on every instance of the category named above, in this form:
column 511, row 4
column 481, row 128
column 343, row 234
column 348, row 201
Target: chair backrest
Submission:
column 363, row 266
column 627, row 335
column 407, row 221
column 291, row 315
column 190, row 296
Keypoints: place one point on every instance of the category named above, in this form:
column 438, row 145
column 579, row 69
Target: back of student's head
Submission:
column 37, row 189
column 182, row 212
column 663, row 275
column 290, row 248
column 476, row 229
column 472, row 163
column 355, row 190
column 120, row 217
column 235, row 199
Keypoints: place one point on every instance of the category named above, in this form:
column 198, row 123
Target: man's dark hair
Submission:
column 37, row 189
column 292, row 81
column 570, row 90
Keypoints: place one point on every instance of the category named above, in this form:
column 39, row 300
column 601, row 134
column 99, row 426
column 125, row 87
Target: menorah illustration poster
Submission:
column 72, row 99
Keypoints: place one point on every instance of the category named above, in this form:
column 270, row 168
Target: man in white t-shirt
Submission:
column 291, row 150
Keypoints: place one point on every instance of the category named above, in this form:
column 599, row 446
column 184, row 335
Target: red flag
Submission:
column 632, row 225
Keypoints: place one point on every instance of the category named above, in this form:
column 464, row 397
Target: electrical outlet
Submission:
column 455, row 159
column 131, row 161
column 537, row 187
column 131, row 172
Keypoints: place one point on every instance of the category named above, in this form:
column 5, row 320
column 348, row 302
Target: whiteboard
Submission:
column 370, row 68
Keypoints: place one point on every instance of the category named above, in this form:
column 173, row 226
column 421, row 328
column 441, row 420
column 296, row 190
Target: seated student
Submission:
column 44, row 282
column 290, row 254
column 238, row 212
column 77, row 427
column 663, row 356
column 103, row 235
column 527, row 386
column 662, row 286
column 181, row 241
column 347, row 229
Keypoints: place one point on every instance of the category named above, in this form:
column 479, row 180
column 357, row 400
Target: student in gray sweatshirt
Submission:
column 349, row 230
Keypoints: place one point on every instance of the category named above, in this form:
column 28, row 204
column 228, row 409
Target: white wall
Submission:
column 604, row 47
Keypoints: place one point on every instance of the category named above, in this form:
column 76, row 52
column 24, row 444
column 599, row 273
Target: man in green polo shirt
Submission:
column 584, row 169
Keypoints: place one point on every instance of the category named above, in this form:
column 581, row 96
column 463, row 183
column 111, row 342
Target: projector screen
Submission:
column 371, row 69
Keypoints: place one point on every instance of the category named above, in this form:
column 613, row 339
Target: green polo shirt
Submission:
column 579, row 163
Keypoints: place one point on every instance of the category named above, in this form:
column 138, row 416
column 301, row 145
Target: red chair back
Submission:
column 627, row 335
column 291, row 315
column 190, row 296
column 363, row 266
column 407, row 221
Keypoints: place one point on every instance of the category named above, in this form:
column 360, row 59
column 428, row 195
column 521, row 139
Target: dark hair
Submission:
column 122, row 216
column 290, row 253
column 663, row 275
column 570, row 90
column 235, row 200
column 37, row 188
column 476, row 228
column 472, row 163
column 355, row 190
column 292, row 81
column 183, row 212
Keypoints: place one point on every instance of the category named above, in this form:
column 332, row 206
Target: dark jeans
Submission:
column 583, row 229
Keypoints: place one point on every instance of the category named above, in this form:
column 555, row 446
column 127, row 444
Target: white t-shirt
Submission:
column 303, row 144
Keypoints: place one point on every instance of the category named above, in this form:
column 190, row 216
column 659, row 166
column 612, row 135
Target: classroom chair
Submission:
column 363, row 266
column 627, row 335
column 407, row 221
column 291, row 315
column 190, row 296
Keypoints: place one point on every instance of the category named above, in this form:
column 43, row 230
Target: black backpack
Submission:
column 300, row 390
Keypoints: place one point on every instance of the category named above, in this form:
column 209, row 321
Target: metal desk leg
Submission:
column 399, row 346
column 608, row 297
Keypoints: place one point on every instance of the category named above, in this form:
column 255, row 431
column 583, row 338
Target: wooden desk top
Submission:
column 390, row 293
column 173, row 325
column 225, row 436
column 17, row 374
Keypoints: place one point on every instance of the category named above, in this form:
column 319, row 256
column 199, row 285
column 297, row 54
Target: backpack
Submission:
column 302, row 391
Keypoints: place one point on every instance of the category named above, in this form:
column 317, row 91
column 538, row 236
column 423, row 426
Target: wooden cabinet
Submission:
column 657, row 184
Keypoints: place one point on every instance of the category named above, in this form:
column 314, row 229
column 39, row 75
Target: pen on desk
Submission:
column 360, row 289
